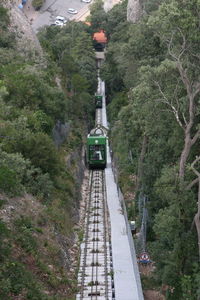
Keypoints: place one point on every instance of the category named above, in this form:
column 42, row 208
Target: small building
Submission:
column 100, row 40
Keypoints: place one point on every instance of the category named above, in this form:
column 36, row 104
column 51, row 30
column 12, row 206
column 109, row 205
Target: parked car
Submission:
column 57, row 23
column 72, row 11
column 59, row 18
column 86, row 1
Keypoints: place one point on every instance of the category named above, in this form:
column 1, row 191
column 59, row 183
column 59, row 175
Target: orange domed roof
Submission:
column 100, row 37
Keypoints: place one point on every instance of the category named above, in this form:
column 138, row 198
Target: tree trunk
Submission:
column 140, row 162
column 197, row 216
column 184, row 154
column 197, row 223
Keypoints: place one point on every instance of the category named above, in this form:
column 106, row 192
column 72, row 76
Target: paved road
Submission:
column 53, row 8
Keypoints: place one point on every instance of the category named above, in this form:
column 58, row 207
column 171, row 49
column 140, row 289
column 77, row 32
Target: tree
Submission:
column 181, row 40
column 159, row 70
column 8, row 180
column 41, row 151
column 97, row 16
column 197, row 216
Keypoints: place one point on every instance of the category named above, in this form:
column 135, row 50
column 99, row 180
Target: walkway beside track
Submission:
column 126, row 274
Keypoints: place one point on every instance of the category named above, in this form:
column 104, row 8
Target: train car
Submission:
column 96, row 149
column 98, row 101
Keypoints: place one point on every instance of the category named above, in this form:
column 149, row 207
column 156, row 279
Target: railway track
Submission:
column 95, row 278
column 98, row 117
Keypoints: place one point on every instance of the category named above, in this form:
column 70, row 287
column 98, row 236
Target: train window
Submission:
column 96, row 155
column 96, row 147
column 97, row 152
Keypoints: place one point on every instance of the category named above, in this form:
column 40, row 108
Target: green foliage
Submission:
column 71, row 47
column 37, row 4
column 41, row 151
column 115, row 106
column 39, row 184
column 25, row 236
column 4, row 247
column 4, row 17
column 79, row 83
column 30, row 89
column 16, row 280
column 116, row 21
column 6, row 38
column 39, row 121
column 2, row 202
column 148, row 98
column 98, row 16
column 33, row 98
column 16, row 174
column 8, row 180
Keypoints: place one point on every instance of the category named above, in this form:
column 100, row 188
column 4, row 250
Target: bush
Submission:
column 37, row 4
column 25, row 238
column 39, row 148
column 8, row 181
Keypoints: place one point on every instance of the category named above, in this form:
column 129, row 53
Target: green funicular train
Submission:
column 98, row 101
column 96, row 149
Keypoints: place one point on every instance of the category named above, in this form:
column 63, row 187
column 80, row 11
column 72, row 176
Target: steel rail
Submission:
column 106, row 236
column 95, row 258
column 86, row 237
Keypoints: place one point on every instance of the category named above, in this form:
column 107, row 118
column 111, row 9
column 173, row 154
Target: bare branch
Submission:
column 196, row 55
column 166, row 101
column 195, row 138
column 184, row 77
column 195, row 181
column 175, row 96
column 184, row 119
column 170, row 46
column 160, row 90
column 193, row 164
column 183, row 47
column 197, row 89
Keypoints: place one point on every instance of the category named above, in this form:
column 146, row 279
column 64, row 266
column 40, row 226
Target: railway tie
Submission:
column 95, row 278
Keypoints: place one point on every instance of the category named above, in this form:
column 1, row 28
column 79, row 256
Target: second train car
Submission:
column 98, row 101
column 96, row 149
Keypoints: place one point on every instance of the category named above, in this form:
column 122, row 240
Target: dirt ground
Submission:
column 146, row 270
column 29, row 11
column 153, row 295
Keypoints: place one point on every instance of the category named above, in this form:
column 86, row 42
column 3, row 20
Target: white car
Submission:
column 61, row 19
column 86, row 1
column 58, row 23
column 72, row 11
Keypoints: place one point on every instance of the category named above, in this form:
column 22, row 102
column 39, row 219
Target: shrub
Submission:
column 25, row 236
column 8, row 181
column 37, row 4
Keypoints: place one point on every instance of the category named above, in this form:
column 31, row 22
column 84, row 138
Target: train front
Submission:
column 96, row 149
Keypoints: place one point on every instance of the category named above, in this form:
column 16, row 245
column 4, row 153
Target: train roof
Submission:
column 96, row 140
column 100, row 37
column 97, row 131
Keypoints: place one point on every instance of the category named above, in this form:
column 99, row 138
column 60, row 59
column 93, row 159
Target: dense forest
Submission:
column 45, row 111
column 153, row 90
